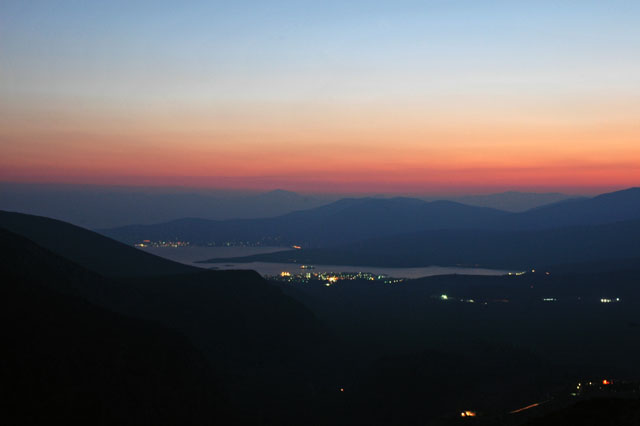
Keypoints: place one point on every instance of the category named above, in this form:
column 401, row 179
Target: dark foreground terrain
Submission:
column 97, row 332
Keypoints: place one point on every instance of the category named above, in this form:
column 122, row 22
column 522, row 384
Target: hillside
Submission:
column 87, row 248
column 74, row 362
column 227, row 312
column 258, row 339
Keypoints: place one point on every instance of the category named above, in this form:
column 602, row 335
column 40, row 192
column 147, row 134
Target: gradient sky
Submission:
column 397, row 96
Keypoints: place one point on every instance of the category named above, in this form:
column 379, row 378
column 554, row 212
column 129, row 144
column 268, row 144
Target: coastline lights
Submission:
column 468, row 413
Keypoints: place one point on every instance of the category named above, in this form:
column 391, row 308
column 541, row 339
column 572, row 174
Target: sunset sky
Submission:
column 322, row 96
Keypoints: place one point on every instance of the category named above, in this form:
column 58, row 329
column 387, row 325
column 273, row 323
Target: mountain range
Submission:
column 346, row 220
column 99, row 207
column 92, row 206
column 412, row 232
column 511, row 201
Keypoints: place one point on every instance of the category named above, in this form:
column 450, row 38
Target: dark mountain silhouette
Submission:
column 89, row 249
column 255, row 337
column 343, row 221
column 606, row 208
column 484, row 248
column 66, row 360
column 97, row 206
column 513, row 201
column 227, row 310
column 349, row 220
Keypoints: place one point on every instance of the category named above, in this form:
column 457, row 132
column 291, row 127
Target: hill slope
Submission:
column 87, row 248
column 264, row 345
column 229, row 314
column 71, row 361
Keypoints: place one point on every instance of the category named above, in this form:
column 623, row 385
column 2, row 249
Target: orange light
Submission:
column 525, row 408
column 606, row 382
column 297, row 247
column 468, row 414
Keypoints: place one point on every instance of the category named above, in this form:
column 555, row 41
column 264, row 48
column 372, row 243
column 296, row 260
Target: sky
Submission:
column 322, row 96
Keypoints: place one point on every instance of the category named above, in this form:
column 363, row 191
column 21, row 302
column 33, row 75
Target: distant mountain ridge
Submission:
column 102, row 207
column 353, row 219
column 513, row 201
column 486, row 248
column 105, row 207
column 605, row 208
column 345, row 220
column 600, row 229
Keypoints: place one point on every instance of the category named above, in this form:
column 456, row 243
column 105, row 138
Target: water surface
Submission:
column 189, row 255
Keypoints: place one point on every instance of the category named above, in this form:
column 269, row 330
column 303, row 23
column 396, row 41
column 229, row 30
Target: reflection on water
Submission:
column 189, row 255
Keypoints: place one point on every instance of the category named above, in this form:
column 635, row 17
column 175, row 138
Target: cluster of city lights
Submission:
column 330, row 278
column 174, row 244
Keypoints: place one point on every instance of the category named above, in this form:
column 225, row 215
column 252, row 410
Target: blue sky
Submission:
column 246, row 80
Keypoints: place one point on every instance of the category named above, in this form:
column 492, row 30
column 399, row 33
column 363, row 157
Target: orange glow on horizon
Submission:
column 396, row 97
column 323, row 149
